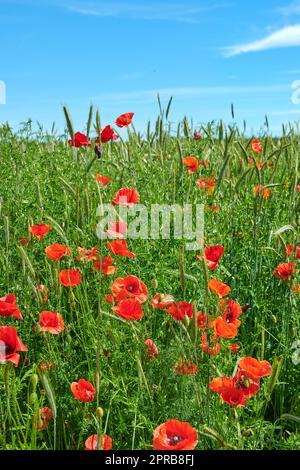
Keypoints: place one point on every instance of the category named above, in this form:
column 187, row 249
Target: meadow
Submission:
column 142, row 344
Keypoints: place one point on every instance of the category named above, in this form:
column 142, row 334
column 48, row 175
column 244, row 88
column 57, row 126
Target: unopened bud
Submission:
column 99, row 412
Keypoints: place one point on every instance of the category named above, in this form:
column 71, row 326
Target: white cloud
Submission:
column 285, row 37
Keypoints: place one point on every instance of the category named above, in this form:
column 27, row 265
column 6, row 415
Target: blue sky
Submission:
column 118, row 55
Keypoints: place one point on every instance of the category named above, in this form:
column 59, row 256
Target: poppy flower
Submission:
column 109, row 299
column 10, row 344
column 105, row 266
column 219, row 288
column 179, row 310
column 129, row 287
column 130, row 309
column 214, row 209
column 212, row 347
column 126, row 197
column 40, row 230
column 298, row 188
column 51, row 322
column 87, row 254
column 56, row 251
column 234, row 347
column 185, row 367
column 191, row 163
column 224, row 329
column 262, row 192
column 228, row 391
column 151, row 349
column 103, row 180
column 204, row 163
column 43, row 417
column 8, row 307
column 207, row 183
column 204, row 321
column 291, row 249
column 197, row 135
column 285, row 271
column 105, row 442
column 124, row 120
column 70, row 277
column 175, row 435
column 83, row 390
column 162, row 301
column 119, row 247
column 80, row 140
column 107, row 134
column 248, row 384
column 116, row 229
column 212, row 256
column 231, row 310
column 254, row 368
column 256, row 146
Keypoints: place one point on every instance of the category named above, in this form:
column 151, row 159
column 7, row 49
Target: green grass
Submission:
column 43, row 180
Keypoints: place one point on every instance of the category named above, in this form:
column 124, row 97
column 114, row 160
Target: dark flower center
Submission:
column 174, row 440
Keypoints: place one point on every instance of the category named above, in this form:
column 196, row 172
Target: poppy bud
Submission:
column 33, row 398
column 97, row 151
column 186, row 321
column 99, row 412
column 155, row 284
column 34, row 380
column 274, row 318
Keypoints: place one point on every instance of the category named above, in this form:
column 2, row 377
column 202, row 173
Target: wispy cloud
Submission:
column 291, row 9
column 285, row 37
column 150, row 96
column 159, row 12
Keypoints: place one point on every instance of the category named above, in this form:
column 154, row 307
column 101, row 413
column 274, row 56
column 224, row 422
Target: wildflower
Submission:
column 228, row 391
column 204, row 321
column 87, row 254
column 56, row 251
column 197, row 135
column 130, row 309
column 105, row 442
column 185, row 367
column 43, row 417
column 119, row 247
column 129, row 287
column 8, row 307
column 103, row 180
column 254, row 368
column 212, row 347
column 179, row 310
column 126, row 197
column 116, row 229
column 151, row 349
column 191, row 163
column 40, row 230
column 256, row 146
column 234, row 348
column 83, row 390
column 106, row 135
column 10, row 344
column 285, row 271
column 162, row 301
column 207, row 183
column 105, row 266
column 212, row 256
column 70, row 277
column 175, row 435
column 219, row 288
column 80, row 140
column 262, row 192
column 124, row 120
column 51, row 322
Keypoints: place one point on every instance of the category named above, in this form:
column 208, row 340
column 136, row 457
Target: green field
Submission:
column 46, row 181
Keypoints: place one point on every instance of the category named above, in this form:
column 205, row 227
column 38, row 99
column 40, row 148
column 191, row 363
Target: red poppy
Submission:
column 162, row 301
column 285, row 271
column 70, row 277
column 151, row 349
column 129, row 287
column 87, row 254
column 104, row 180
column 40, row 230
column 191, row 163
column 232, row 310
column 105, row 266
column 43, row 417
column 185, row 367
column 80, row 140
column 224, row 329
column 261, row 191
column 204, row 321
column 219, row 288
column 290, row 249
column 130, row 309
column 298, row 188
column 51, row 322
column 204, row 163
column 109, row 299
column 234, row 348
column 8, row 307
column 175, row 435
column 212, row 347
column 126, row 197
column 248, row 384
column 83, row 390
column 179, row 310
column 57, row 251
column 10, row 343
column 124, row 120
column 254, row 368
column 116, row 229
column 228, row 391
column 207, row 183
column 107, row 134
column 119, row 247
column 212, row 256
column 105, row 442
column 256, row 146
